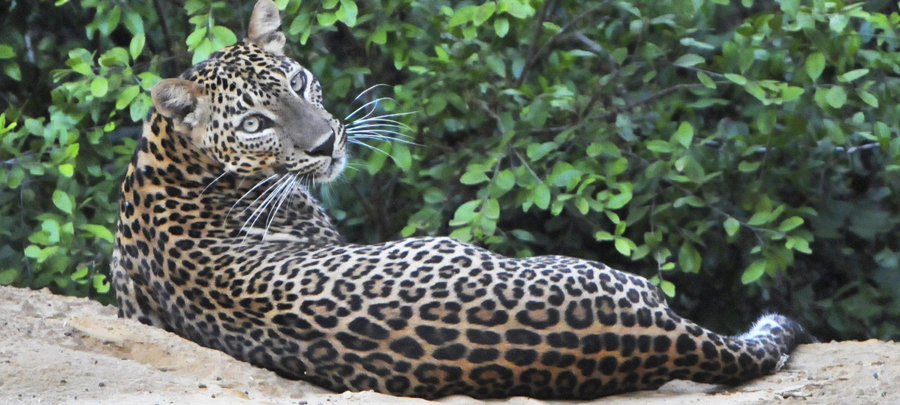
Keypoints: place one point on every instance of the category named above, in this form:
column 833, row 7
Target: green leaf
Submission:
column 81, row 272
column 836, row 97
column 100, row 284
column 603, row 236
column 402, row 157
column 34, row 126
column 62, row 201
column 465, row 213
column 127, row 95
column 67, row 170
column 379, row 36
column 462, row 16
column 114, row 56
column 790, row 7
column 753, row 272
column 134, row 22
column 32, row 251
column 659, row 146
column 582, row 205
column 815, row 64
column 765, row 121
column 837, row 22
column 473, row 177
column 760, row 218
column 517, row 8
column 137, row 45
column 505, row 180
column 689, row 258
column 13, row 71
column 484, row 12
column 326, row 19
column 852, row 75
column 522, row 235
column 501, row 27
column 791, row 93
column 8, row 276
column 790, row 223
column 193, row 40
column 689, row 60
column 619, row 200
column 667, row 288
column 99, row 231
column 541, row 195
column 7, row 52
column 224, row 35
column 623, row 246
column 536, row 151
column 798, row 244
column 868, row 98
column 99, row 86
column 736, row 79
column 684, row 135
column 705, row 79
column 491, row 209
column 348, row 12
column 731, row 226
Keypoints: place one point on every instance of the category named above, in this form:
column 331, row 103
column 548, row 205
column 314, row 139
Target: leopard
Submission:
column 220, row 241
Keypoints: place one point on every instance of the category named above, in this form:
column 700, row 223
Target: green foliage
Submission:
column 742, row 155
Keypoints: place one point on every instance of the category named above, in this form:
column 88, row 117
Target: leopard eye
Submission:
column 298, row 83
column 254, row 123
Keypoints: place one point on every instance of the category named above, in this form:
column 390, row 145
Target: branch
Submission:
column 654, row 96
column 854, row 149
column 532, row 49
column 165, row 28
column 535, row 53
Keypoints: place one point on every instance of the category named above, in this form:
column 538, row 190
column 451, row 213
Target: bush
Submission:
column 745, row 157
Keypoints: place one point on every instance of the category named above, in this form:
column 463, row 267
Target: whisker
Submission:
column 372, row 87
column 285, row 193
column 400, row 114
column 257, row 213
column 385, row 138
column 248, row 192
column 263, row 194
column 377, row 125
column 391, row 127
column 385, row 132
column 386, row 135
column 213, row 182
column 375, row 101
column 368, row 146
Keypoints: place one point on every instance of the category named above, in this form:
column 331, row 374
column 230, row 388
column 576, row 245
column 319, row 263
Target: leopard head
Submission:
column 255, row 111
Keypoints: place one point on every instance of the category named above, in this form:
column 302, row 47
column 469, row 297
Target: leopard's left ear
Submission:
column 265, row 27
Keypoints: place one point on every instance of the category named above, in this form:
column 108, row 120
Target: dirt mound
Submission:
column 63, row 350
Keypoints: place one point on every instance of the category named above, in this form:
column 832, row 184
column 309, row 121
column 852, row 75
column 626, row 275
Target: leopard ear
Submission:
column 265, row 27
column 179, row 100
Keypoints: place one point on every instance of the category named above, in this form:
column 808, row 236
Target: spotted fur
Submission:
column 424, row 317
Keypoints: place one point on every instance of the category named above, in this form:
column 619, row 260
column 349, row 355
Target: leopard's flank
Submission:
column 220, row 242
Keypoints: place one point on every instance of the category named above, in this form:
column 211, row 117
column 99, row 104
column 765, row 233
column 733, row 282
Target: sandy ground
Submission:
column 62, row 350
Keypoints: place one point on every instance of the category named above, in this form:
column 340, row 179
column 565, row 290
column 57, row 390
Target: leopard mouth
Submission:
column 332, row 169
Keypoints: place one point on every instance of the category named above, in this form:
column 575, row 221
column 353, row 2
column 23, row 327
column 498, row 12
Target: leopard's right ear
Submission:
column 265, row 27
column 179, row 100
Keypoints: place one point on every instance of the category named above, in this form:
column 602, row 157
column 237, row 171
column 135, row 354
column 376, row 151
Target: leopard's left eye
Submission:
column 298, row 83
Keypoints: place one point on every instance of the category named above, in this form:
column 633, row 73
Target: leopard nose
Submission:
column 325, row 148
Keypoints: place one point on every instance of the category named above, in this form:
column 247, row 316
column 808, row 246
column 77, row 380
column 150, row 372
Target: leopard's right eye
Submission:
column 254, row 123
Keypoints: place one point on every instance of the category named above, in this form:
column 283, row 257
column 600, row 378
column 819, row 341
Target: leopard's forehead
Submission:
column 244, row 65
